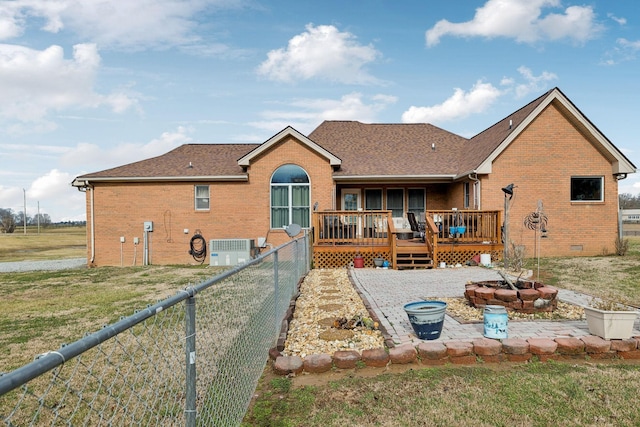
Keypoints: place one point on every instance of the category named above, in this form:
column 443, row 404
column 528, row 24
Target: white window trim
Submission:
column 600, row 177
column 195, row 197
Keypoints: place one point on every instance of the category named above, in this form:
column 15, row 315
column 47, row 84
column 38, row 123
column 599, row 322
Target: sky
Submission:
column 86, row 85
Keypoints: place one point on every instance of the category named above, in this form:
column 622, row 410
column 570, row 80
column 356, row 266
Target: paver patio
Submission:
column 387, row 291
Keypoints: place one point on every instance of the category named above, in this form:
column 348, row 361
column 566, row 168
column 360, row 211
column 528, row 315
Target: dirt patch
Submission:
column 330, row 307
column 335, row 334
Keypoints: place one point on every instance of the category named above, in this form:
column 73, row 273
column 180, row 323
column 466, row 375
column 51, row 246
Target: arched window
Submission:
column 290, row 197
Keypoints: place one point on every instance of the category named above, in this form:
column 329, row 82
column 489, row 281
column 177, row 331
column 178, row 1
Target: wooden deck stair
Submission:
column 412, row 254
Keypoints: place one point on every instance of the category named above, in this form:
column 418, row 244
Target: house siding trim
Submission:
column 245, row 160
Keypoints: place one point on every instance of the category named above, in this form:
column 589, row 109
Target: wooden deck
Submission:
column 338, row 236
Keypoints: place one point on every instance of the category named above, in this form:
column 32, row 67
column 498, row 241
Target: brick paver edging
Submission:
column 483, row 350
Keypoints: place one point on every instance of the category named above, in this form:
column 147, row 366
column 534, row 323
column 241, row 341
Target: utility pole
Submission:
column 24, row 211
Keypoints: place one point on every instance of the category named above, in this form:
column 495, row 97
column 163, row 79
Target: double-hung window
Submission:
column 202, row 197
column 290, row 197
column 587, row 189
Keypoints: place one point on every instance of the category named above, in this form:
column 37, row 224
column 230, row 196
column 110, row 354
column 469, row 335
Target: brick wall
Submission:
column 238, row 210
column 540, row 163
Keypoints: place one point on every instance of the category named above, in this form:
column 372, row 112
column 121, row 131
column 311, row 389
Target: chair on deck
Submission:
column 415, row 227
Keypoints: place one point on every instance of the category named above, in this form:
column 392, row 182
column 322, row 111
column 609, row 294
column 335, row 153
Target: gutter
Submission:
column 93, row 228
column 81, row 182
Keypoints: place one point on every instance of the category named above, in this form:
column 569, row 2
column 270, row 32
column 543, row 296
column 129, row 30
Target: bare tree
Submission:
column 7, row 221
column 629, row 201
column 44, row 220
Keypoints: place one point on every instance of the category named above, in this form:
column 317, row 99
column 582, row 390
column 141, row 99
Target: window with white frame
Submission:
column 202, row 197
column 587, row 188
column 290, row 197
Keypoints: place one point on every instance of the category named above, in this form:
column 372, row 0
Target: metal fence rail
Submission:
column 192, row 359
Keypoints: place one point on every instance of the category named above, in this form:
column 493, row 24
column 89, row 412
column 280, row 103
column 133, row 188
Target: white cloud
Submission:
column 50, row 193
column 306, row 114
column 35, row 82
column 625, row 50
column 460, row 104
column 93, row 157
column 621, row 21
column 321, row 52
column 523, row 21
column 532, row 83
column 628, row 44
column 113, row 23
column 54, row 184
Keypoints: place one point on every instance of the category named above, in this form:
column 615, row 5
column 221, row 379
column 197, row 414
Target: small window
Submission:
column 202, row 197
column 467, row 192
column 587, row 189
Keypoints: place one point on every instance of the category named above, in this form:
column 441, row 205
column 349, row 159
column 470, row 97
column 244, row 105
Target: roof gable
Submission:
column 245, row 160
column 494, row 140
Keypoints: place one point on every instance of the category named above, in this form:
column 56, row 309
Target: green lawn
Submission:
column 583, row 393
column 40, row 310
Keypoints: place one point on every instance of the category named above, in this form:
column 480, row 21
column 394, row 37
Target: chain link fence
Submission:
column 192, row 359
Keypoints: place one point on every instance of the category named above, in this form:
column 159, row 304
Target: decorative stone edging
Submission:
column 464, row 353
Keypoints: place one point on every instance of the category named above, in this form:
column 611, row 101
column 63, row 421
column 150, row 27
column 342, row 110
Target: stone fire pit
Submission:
column 528, row 297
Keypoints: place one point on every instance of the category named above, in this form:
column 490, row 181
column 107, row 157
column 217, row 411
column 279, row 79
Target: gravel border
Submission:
column 47, row 265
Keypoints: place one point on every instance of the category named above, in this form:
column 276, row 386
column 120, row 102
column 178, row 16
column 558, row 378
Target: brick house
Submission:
column 553, row 155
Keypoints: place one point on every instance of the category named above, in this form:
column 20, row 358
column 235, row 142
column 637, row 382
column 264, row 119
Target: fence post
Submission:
column 297, row 259
column 276, row 290
column 190, row 404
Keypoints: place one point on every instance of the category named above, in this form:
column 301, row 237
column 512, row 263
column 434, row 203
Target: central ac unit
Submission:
column 230, row 251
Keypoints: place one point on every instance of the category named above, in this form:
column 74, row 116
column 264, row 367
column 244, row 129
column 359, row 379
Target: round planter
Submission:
column 426, row 318
column 378, row 262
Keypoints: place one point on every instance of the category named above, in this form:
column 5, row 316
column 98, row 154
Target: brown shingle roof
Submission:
column 363, row 150
column 478, row 148
column 205, row 160
column 389, row 149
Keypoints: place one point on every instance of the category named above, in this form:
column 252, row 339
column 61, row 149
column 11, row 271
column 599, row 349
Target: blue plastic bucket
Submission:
column 426, row 318
column 495, row 321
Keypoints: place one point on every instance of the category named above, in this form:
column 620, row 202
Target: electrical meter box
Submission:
column 148, row 226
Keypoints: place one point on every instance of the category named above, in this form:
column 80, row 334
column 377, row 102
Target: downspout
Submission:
column 93, row 227
column 476, row 189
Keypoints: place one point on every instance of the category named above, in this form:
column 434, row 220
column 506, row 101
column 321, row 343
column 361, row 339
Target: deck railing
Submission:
column 467, row 226
column 339, row 235
column 374, row 228
column 360, row 228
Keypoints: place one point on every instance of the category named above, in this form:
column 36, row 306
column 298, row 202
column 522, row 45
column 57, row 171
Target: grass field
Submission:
column 584, row 393
column 50, row 243
column 41, row 310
